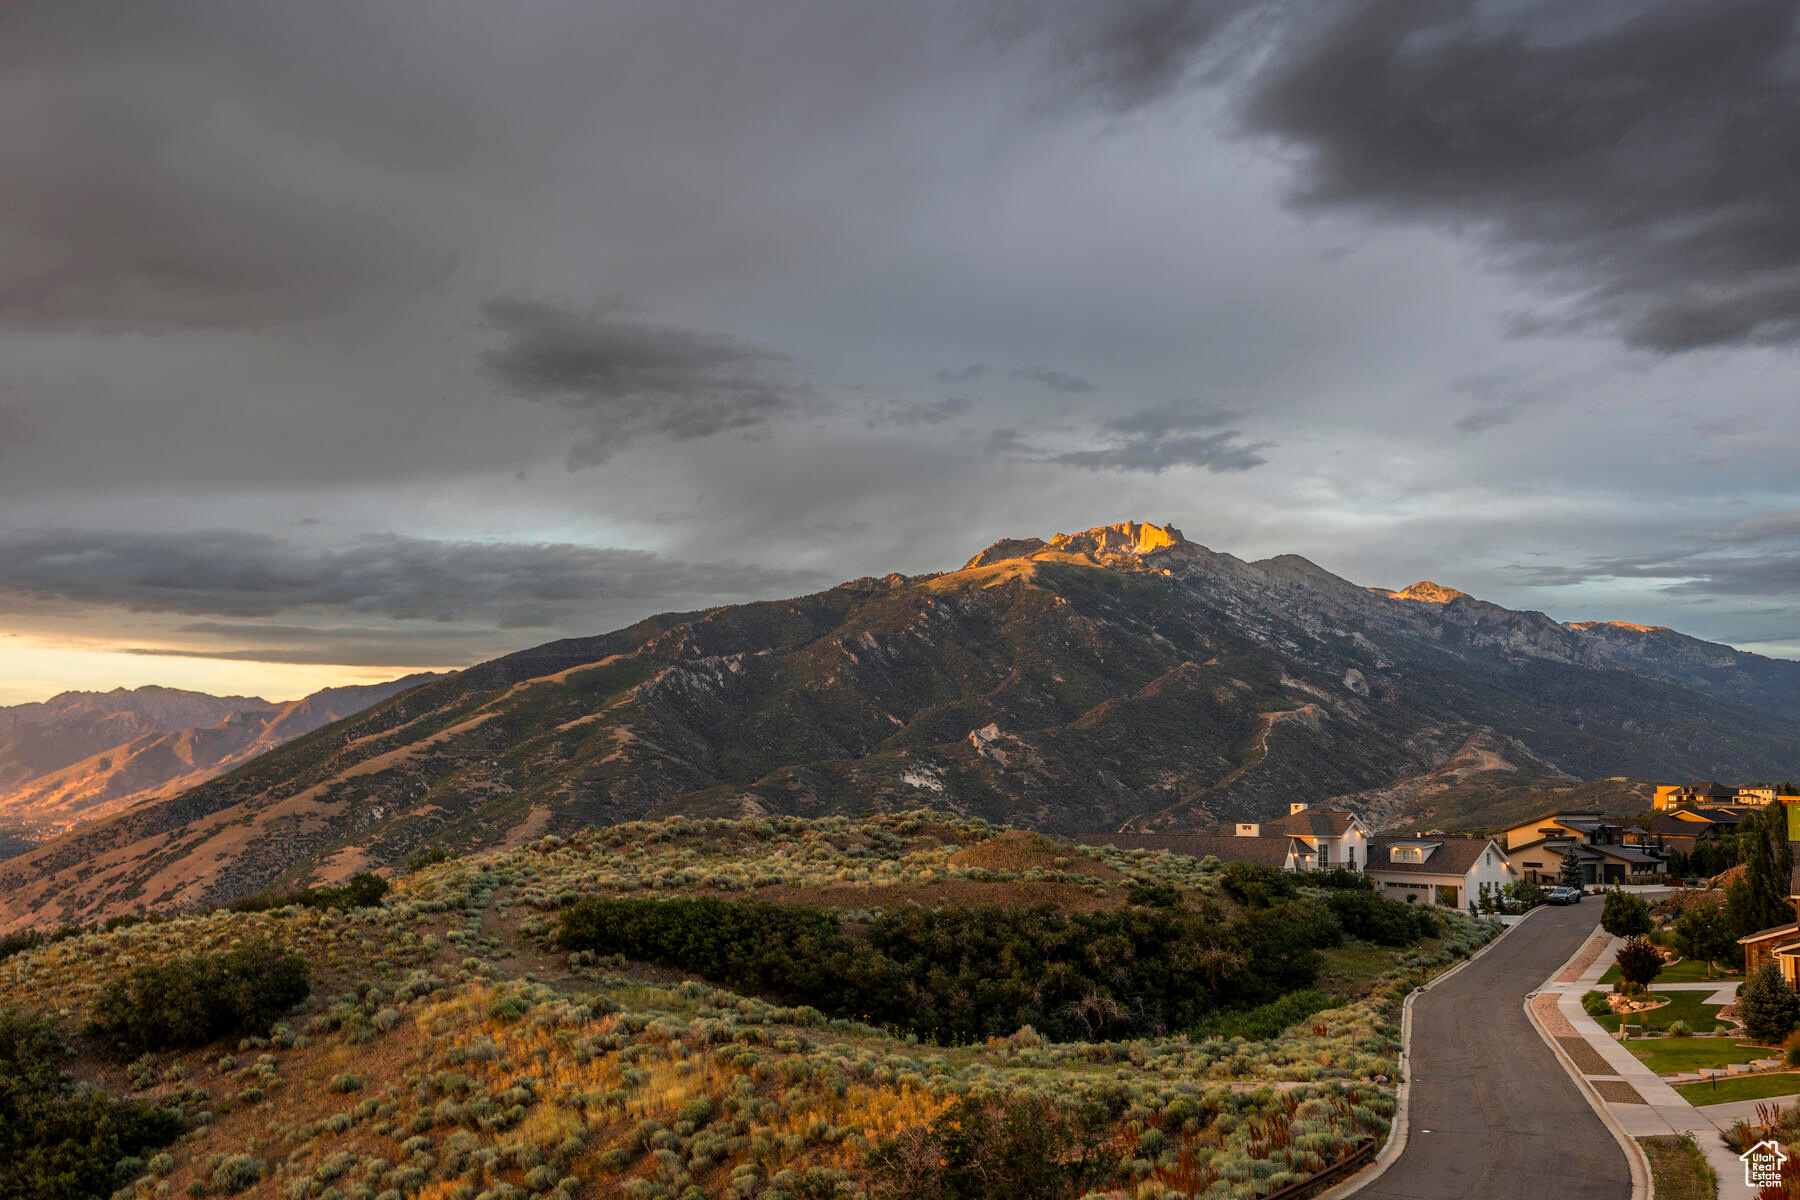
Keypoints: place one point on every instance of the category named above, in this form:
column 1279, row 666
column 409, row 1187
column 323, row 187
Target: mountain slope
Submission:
column 159, row 761
column 1121, row 677
column 38, row 738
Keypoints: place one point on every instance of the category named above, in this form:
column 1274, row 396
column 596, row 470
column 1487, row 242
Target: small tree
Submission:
column 1625, row 915
column 1768, row 1006
column 1704, row 932
column 1571, row 870
column 1639, row 961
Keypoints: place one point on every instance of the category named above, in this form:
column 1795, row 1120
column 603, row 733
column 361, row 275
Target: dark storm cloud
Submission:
column 629, row 377
column 241, row 574
column 1046, row 377
column 1177, row 416
column 1130, row 54
column 1635, row 159
column 1165, row 436
column 1216, row 452
column 913, row 414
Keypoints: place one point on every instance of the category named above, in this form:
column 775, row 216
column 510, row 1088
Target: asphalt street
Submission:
column 1494, row 1115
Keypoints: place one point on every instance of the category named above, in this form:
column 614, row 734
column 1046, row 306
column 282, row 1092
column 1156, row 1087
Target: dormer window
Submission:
column 1407, row 854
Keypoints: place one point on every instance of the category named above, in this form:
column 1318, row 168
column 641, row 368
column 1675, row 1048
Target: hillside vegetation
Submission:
column 776, row 1007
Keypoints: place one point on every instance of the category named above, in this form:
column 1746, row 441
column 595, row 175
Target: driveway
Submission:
column 1494, row 1116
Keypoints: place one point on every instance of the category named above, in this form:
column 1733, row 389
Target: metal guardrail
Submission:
column 1328, row 1175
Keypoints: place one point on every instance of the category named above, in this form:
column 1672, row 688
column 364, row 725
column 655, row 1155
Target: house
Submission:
column 1333, row 837
column 1778, row 943
column 1438, row 870
column 1701, row 794
column 1550, row 825
column 1608, row 851
column 1283, row 853
column 1680, row 831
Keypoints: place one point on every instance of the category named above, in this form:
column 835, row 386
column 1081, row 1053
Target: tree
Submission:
column 1639, row 961
column 1704, row 932
column 1760, row 899
column 1571, row 870
column 1768, row 1006
column 1625, row 915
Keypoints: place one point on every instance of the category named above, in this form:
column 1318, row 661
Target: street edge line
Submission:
column 1643, row 1184
column 1402, row 1127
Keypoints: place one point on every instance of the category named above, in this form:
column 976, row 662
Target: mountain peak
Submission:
column 1427, row 592
column 1127, row 537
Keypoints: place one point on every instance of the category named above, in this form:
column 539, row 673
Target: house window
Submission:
column 1324, row 855
column 1350, row 857
column 1407, row 854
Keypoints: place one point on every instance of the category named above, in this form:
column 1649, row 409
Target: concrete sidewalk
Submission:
column 1633, row 1096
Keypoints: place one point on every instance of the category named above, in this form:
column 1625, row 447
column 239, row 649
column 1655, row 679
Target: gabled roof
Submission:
column 1453, row 856
column 1311, row 822
column 1630, row 854
column 1555, row 814
column 1709, row 787
column 1272, row 851
column 1763, row 935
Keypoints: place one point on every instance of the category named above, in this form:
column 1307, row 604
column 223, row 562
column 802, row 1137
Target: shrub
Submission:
column 988, row 1149
column 1639, row 961
column 1767, row 1005
column 56, row 1141
column 1256, row 884
column 1373, row 918
column 1625, row 915
column 1680, row 1029
column 190, row 1001
column 236, row 1173
column 1595, row 1004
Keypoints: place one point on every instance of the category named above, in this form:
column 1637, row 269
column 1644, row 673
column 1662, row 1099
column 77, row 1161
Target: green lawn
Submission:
column 1743, row 1087
column 1671, row 1056
column 1688, row 970
column 1682, row 1006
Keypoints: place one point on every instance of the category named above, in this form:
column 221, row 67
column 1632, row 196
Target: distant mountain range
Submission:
column 1122, row 677
column 83, row 756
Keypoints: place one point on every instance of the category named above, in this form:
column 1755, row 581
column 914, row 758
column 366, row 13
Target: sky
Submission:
column 343, row 339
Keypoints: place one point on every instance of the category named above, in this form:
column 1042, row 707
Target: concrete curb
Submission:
column 1402, row 1127
column 1643, row 1186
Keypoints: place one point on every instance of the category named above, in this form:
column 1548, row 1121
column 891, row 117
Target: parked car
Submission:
column 1563, row 895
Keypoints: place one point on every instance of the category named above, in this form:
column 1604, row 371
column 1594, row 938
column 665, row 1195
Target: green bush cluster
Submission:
column 363, row 890
column 60, row 1141
column 191, row 1000
column 963, row 974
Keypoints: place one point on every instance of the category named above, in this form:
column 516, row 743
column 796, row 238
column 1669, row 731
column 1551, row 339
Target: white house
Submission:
column 1335, row 838
column 1438, row 870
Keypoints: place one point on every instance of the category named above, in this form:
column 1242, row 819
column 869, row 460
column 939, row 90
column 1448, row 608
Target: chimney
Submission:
column 1249, row 829
column 1296, row 807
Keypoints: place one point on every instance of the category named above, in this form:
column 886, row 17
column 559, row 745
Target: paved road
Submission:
column 1494, row 1115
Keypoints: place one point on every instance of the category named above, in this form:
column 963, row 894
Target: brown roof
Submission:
column 1454, row 856
column 1310, row 822
column 1708, row 787
column 1676, row 827
column 1270, row 850
column 1773, row 931
column 1553, row 814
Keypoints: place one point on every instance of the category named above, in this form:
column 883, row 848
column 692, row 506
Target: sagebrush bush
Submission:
column 191, row 1000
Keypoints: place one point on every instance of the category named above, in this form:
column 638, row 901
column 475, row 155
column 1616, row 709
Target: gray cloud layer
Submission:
column 238, row 574
column 299, row 270
column 628, row 377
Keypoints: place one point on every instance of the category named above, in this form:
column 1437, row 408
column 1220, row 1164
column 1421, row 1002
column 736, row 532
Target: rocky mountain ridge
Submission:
column 1120, row 677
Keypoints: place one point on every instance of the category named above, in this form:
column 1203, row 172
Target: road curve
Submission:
column 1493, row 1114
